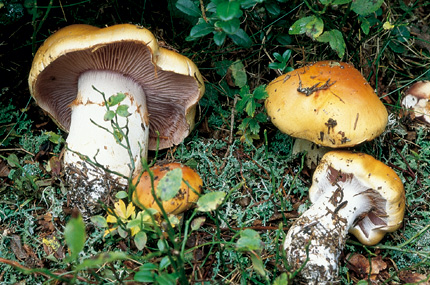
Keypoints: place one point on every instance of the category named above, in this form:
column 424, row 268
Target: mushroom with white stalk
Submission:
column 162, row 89
column 417, row 100
column 350, row 192
column 326, row 104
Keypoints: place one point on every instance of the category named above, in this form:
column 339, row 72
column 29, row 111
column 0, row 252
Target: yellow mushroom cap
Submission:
column 385, row 192
column 327, row 102
column 172, row 83
column 185, row 198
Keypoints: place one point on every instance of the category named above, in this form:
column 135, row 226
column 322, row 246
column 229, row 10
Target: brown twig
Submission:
column 20, row 266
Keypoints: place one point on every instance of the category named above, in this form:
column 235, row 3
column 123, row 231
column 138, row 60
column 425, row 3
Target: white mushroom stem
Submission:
column 323, row 229
column 97, row 143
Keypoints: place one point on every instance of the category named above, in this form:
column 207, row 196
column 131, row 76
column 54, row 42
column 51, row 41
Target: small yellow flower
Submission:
column 388, row 26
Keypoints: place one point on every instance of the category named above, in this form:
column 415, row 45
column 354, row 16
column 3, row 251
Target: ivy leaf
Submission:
column 170, row 184
column 312, row 26
column 335, row 38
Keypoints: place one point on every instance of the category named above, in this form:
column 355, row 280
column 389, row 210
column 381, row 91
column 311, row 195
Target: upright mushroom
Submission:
column 162, row 89
column 350, row 192
column 328, row 103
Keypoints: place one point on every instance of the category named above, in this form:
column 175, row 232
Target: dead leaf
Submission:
column 17, row 249
column 362, row 267
column 408, row 276
column 4, row 169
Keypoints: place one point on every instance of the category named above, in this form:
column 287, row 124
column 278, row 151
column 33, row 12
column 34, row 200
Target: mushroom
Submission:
column 350, row 192
column 162, row 89
column 187, row 196
column 417, row 98
column 328, row 103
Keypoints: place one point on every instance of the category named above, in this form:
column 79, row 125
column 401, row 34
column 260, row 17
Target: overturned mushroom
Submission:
column 187, row 195
column 350, row 192
column 417, row 100
column 328, row 103
column 161, row 87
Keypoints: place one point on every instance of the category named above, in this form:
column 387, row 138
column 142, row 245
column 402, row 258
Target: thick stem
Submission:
column 92, row 136
column 322, row 229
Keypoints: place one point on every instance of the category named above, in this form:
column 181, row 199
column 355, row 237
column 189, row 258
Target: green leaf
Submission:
column 257, row 263
column 197, row 223
column 281, row 279
column 312, row 26
column 240, row 105
column 99, row 221
column 230, row 27
column 272, row 8
column 249, row 241
column 166, row 279
column 188, row 7
column 228, row 10
column 140, row 240
column 74, row 234
column 54, row 138
column 222, row 67
column 250, row 108
column 238, row 73
column 335, row 38
column 260, row 92
column 219, row 38
column 170, row 184
column 116, row 99
column 164, row 263
column 121, row 195
column 254, row 126
column 145, row 276
column 366, row 7
column 201, row 29
column 210, row 201
column 122, row 111
column 13, row 160
column 101, row 259
column 365, row 26
column 334, row 2
column 241, row 38
column 118, row 136
column 109, row 115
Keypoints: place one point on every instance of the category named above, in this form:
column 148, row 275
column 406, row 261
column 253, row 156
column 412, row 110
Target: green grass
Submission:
column 265, row 186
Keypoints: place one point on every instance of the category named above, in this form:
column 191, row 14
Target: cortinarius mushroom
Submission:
column 162, row 89
column 186, row 197
column 328, row 103
column 417, row 98
column 350, row 192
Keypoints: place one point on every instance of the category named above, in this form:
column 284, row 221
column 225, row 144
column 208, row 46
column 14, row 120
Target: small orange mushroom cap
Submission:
column 327, row 102
column 185, row 198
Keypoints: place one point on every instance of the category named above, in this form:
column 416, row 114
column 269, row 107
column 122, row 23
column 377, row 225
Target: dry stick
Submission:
column 20, row 266
column 230, row 139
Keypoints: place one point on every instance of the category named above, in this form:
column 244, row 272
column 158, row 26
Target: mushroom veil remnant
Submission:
column 350, row 192
column 162, row 89
column 328, row 103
